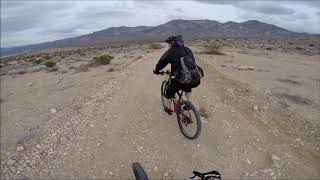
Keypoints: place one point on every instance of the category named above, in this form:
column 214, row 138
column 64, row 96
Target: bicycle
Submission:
column 140, row 174
column 183, row 109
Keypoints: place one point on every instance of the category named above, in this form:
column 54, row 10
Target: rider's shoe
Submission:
column 167, row 110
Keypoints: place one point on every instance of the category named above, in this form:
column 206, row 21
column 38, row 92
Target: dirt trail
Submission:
column 122, row 122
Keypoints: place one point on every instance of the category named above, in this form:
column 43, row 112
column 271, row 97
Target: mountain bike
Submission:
column 187, row 115
column 140, row 174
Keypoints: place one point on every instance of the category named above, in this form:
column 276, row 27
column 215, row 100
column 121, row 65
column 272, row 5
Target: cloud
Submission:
column 95, row 13
column 28, row 22
column 271, row 9
column 220, row 2
column 265, row 7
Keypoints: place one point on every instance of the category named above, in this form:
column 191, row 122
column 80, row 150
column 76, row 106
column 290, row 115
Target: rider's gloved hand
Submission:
column 156, row 72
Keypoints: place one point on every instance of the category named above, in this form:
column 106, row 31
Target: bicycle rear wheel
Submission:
column 188, row 119
column 139, row 172
column 163, row 91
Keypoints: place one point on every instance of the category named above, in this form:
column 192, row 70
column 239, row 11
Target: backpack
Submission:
column 189, row 72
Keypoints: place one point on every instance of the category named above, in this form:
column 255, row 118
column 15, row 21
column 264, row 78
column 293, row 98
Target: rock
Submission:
column 11, row 162
column 165, row 174
column 242, row 68
column 198, row 145
column 204, row 121
column 51, row 152
column 248, row 161
column 53, row 110
column 269, row 170
column 255, row 107
column 275, row 161
column 114, row 116
column 251, row 68
column 268, row 92
column 298, row 139
column 98, row 144
column 91, row 125
column 20, row 148
column 155, row 168
column 111, row 173
column 122, row 166
column 29, row 84
column 275, row 158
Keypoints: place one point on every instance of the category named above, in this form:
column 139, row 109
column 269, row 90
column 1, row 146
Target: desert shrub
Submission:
column 36, row 61
column 156, row 46
column 45, row 56
column 110, row 69
column 103, row 59
column 83, row 68
column 63, row 71
column 52, row 69
column 213, row 48
column 22, row 71
column 50, row 64
column 203, row 112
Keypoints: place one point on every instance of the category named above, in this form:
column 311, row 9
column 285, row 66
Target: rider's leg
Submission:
column 188, row 95
column 168, row 103
column 171, row 89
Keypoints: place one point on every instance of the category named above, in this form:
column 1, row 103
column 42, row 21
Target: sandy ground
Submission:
column 106, row 120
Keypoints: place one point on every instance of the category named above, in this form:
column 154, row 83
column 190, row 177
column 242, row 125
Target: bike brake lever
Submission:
column 198, row 174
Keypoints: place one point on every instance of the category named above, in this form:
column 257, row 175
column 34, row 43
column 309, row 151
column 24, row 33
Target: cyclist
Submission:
column 181, row 59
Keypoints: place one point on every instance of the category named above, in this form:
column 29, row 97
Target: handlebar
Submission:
column 165, row 73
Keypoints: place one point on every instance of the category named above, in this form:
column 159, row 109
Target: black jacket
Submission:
column 173, row 56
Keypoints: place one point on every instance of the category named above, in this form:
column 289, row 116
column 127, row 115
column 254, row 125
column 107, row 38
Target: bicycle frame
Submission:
column 177, row 102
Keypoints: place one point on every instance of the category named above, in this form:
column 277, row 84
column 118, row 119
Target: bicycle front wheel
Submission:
column 189, row 120
column 138, row 171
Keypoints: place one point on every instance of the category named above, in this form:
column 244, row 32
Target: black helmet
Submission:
column 175, row 40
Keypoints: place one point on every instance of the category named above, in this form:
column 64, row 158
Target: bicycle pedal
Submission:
column 167, row 110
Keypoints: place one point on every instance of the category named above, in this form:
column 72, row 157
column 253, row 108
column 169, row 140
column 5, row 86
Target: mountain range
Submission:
column 190, row 29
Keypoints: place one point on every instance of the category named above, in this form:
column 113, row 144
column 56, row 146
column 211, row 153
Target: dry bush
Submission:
column 103, row 59
column 37, row 61
column 46, row 56
column 82, row 68
column 212, row 48
column 55, row 68
column 50, row 64
column 111, row 69
column 22, row 71
column 156, row 46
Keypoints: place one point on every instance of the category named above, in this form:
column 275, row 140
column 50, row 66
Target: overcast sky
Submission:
column 29, row 22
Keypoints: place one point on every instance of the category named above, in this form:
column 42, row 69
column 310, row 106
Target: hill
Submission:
column 190, row 29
